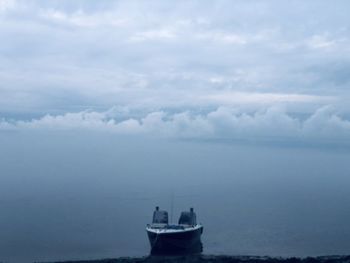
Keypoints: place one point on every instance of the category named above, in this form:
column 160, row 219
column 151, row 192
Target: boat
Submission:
column 184, row 237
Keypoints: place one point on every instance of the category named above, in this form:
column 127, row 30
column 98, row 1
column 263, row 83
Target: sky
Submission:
column 193, row 69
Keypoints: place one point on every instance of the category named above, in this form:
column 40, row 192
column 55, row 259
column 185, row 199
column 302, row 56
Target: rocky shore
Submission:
column 219, row 259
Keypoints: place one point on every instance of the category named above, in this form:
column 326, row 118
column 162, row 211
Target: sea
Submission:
column 68, row 195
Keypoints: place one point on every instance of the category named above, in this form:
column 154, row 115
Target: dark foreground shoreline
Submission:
column 219, row 259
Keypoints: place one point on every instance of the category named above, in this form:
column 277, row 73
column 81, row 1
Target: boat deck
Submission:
column 159, row 229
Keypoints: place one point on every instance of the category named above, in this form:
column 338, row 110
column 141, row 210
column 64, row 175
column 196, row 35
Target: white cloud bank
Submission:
column 223, row 123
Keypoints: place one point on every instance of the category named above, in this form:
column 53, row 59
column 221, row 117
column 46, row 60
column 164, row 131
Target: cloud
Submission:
column 272, row 123
column 263, row 98
column 62, row 55
column 7, row 5
column 160, row 34
column 224, row 38
column 82, row 19
column 324, row 42
column 324, row 123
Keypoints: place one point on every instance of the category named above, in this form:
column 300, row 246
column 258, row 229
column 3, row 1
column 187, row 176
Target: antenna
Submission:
column 172, row 207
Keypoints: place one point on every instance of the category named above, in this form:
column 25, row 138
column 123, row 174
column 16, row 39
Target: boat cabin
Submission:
column 160, row 217
column 188, row 218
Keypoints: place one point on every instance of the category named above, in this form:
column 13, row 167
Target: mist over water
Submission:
column 65, row 195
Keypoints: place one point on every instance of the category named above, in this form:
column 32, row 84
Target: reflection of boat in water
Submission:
column 170, row 238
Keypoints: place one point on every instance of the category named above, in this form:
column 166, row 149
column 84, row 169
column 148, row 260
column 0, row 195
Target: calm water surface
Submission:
column 66, row 196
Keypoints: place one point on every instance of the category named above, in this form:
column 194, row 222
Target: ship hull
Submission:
column 176, row 242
